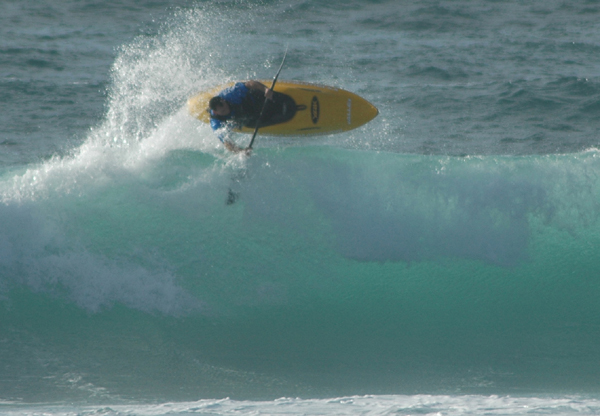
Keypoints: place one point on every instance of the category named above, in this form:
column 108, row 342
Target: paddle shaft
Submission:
column 265, row 103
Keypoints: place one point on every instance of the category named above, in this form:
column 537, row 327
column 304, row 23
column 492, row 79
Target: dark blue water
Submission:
column 448, row 248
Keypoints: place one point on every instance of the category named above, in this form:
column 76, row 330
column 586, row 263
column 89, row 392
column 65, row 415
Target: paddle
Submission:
column 265, row 104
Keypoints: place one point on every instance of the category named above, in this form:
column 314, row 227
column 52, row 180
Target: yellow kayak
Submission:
column 319, row 109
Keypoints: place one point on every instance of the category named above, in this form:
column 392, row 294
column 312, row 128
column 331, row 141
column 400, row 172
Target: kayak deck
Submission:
column 319, row 109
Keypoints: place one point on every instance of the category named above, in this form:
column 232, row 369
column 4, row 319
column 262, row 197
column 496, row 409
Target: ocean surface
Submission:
column 442, row 259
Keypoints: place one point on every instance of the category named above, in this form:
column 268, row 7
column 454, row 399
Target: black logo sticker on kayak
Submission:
column 314, row 110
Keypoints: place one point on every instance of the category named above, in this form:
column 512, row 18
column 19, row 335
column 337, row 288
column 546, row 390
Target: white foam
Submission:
column 36, row 252
column 354, row 405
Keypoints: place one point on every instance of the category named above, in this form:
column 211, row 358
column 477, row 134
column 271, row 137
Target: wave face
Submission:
column 449, row 247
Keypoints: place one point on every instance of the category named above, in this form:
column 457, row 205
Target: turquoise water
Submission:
column 448, row 248
column 468, row 275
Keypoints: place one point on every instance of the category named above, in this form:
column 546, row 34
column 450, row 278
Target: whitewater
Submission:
column 442, row 259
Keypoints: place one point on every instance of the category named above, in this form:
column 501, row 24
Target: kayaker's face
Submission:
column 222, row 110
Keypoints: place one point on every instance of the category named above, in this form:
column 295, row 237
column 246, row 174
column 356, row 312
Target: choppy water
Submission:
column 442, row 259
